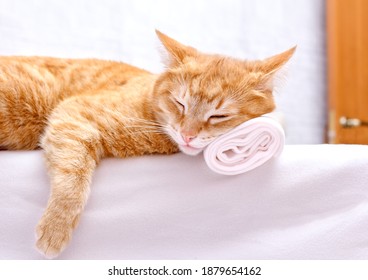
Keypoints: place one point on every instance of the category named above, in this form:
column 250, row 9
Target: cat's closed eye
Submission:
column 180, row 105
column 218, row 118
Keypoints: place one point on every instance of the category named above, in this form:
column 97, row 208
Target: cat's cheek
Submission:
column 190, row 150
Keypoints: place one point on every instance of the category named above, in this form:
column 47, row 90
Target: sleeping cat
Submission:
column 80, row 111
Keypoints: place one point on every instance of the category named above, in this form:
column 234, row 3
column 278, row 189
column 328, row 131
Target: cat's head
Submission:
column 202, row 96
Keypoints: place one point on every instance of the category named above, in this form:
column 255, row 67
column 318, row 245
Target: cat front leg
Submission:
column 72, row 149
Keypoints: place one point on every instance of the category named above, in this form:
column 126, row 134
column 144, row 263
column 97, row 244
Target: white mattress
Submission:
column 311, row 203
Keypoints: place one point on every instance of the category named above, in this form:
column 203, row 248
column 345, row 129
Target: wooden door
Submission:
column 347, row 48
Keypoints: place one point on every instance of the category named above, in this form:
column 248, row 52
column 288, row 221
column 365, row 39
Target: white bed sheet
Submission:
column 311, row 203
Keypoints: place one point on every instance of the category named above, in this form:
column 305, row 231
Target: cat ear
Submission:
column 272, row 68
column 176, row 53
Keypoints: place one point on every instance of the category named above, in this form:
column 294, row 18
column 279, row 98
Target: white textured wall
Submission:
column 124, row 30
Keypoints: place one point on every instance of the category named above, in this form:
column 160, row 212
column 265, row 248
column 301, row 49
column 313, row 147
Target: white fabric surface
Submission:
column 124, row 30
column 246, row 147
column 310, row 203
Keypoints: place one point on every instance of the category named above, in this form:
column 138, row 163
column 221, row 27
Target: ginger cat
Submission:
column 82, row 110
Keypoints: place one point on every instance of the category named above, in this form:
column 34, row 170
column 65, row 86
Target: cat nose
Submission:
column 187, row 136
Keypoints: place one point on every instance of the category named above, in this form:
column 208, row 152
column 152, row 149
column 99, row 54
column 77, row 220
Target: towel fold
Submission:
column 246, row 147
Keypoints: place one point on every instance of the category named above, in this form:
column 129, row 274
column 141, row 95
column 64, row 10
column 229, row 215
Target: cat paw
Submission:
column 52, row 237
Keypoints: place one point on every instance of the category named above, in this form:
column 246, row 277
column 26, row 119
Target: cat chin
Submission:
column 190, row 150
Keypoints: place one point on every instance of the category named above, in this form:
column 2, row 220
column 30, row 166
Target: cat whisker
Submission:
column 139, row 126
column 135, row 129
column 131, row 118
column 145, row 133
column 143, row 128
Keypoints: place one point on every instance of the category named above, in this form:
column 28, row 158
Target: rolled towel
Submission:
column 246, row 147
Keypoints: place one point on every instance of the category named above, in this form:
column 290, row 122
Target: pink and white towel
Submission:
column 246, row 147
